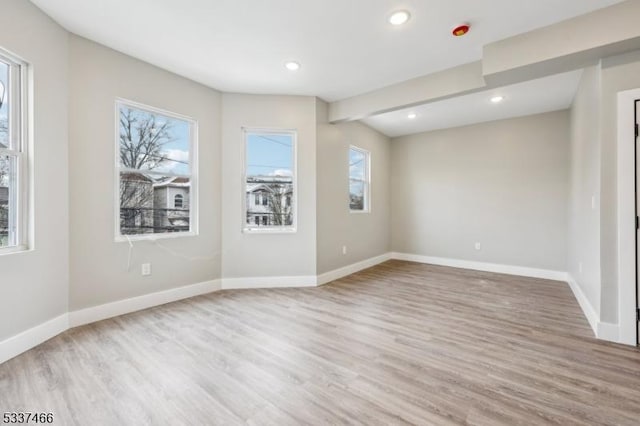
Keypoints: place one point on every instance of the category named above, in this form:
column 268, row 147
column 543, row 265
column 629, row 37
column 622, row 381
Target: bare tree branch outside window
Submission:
column 153, row 152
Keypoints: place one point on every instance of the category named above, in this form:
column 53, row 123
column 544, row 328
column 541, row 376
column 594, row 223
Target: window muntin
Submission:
column 13, row 155
column 359, row 180
column 156, row 172
column 269, row 176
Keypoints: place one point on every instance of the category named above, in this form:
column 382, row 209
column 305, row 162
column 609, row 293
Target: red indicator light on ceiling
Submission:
column 461, row 30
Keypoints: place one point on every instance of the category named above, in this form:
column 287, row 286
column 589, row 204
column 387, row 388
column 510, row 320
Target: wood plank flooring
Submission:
column 400, row 343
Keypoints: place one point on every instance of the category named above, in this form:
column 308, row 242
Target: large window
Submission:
column 359, row 180
column 269, row 201
column 13, row 160
column 157, row 190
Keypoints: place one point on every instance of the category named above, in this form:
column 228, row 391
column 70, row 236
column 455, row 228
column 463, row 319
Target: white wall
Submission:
column 503, row 184
column 366, row 235
column 268, row 255
column 584, row 188
column 99, row 264
column 34, row 284
column 618, row 74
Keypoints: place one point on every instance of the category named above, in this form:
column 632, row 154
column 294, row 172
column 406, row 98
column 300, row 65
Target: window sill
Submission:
column 154, row 237
column 360, row 211
column 14, row 250
column 269, row 230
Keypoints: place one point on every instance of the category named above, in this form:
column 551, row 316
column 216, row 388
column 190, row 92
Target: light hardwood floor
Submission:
column 398, row 343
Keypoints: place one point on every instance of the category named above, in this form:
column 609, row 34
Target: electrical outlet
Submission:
column 146, row 269
column 593, row 202
column 344, row 249
column 478, row 246
column 580, row 267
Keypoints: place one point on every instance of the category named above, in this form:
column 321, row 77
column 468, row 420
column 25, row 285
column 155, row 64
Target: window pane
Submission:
column 358, row 179
column 4, row 108
column 154, row 142
column 149, row 204
column 269, row 182
column 7, row 201
column 356, row 195
column 357, row 164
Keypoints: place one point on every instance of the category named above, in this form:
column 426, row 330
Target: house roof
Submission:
column 269, row 179
column 257, row 186
column 174, row 182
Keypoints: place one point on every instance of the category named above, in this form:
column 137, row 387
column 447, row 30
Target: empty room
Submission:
column 375, row 212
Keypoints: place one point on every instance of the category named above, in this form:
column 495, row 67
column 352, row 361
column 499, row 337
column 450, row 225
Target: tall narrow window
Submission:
column 13, row 155
column 359, row 180
column 156, row 158
column 270, row 172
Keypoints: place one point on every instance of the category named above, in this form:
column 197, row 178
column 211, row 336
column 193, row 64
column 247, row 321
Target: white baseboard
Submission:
column 301, row 281
column 602, row 330
column 268, row 282
column 126, row 306
column 327, row 277
column 592, row 315
column 32, row 337
column 485, row 267
column 609, row 331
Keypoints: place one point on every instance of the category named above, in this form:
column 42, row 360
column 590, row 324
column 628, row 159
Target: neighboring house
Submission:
column 148, row 207
column 165, row 206
column 268, row 201
column 4, row 215
column 171, row 205
column 136, row 204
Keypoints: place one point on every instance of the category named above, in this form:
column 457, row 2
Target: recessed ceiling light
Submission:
column 497, row 99
column 400, row 17
column 292, row 66
column 412, row 115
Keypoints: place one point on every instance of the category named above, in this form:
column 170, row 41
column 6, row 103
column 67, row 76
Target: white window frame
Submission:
column 252, row 228
column 367, row 181
column 18, row 94
column 193, row 177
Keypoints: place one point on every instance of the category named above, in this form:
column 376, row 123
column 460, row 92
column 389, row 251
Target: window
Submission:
column 156, row 171
column 177, row 201
column 270, row 175
column 359, row 178
column 13, row 154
